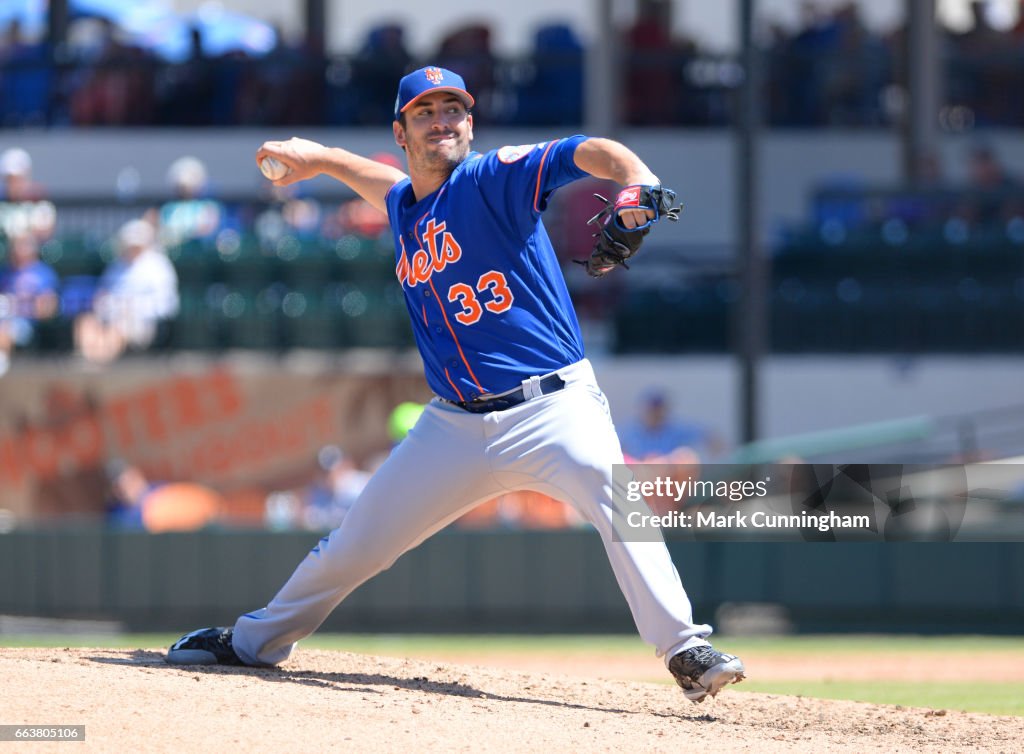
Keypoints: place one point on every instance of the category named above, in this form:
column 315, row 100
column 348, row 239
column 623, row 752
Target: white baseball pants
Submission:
column 562, row 445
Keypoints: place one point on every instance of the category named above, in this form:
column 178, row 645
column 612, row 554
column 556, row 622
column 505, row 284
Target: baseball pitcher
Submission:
column 516, row 403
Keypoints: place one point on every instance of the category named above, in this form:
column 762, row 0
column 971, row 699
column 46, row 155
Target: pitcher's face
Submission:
column 437, row 133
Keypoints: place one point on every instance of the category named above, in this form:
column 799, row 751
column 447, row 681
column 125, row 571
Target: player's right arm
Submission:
column 308, row 159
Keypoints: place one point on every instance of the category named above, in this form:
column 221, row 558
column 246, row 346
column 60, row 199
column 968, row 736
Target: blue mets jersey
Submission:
column 485, row 292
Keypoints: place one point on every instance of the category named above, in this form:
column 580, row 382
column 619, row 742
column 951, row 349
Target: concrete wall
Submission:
column 809, row 393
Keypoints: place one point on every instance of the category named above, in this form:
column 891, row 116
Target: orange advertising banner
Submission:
column 231, row 425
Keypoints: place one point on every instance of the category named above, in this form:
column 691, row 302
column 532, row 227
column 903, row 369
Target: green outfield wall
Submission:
column 510, row 581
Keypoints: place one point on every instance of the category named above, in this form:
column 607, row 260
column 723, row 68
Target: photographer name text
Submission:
column 739, row 520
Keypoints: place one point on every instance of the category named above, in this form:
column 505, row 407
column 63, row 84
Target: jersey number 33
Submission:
column 492, row 287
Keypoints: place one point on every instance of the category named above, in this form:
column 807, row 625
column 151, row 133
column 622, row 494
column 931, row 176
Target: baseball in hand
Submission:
column 273, row 168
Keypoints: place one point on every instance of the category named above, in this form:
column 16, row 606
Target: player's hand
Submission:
column 634, row 218
column 623, row 224
column 304, row 157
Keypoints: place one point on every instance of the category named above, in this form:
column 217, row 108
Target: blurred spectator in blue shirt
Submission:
column 994, row 191
column 656, row 436
column 129, row 489
column 337, row 487
column 859, row 68
column 28, row 293
column 380, row 62
column 135, row 502
column 192, row 214
column 25, row 80
column 831, row 71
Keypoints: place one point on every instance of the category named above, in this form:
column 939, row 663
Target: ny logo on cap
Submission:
column 433, row 75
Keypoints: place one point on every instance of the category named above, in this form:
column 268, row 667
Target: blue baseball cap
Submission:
column 426, row 80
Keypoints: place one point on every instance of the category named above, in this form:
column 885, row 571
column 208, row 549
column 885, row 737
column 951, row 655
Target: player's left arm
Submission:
column 610, row 160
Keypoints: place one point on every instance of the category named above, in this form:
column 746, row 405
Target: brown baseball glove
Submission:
column 615, row 243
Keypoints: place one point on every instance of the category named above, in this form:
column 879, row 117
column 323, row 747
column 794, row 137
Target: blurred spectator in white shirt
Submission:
column 137, row 292
column 23, row 203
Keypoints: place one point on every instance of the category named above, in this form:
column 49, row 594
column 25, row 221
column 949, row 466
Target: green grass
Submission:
column 875, row 644
column 972, row 652
column 992, row 698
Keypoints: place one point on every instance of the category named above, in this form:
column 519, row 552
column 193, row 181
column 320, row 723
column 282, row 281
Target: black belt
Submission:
column 550, row 384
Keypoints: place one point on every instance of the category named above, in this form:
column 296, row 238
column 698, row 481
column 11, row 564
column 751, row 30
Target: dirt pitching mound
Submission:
column 130, row 700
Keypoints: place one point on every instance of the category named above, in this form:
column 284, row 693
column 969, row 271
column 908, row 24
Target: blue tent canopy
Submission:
column 153, row 24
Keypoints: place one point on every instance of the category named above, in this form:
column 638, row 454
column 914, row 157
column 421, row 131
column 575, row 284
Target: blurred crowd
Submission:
column 831, row 69
column 113, row 81
column 315, row 261
column 121, row 309
column 987, row 204
column 120, row 287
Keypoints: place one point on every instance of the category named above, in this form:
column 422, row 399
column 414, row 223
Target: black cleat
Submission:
column 703, row 671
column 207, row 646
